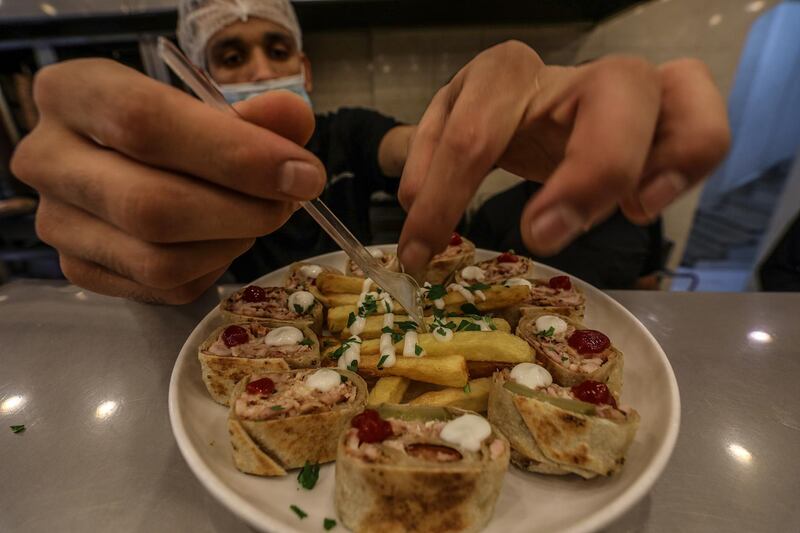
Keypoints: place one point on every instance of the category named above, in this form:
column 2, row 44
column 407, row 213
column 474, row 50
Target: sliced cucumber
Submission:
column 576, row 406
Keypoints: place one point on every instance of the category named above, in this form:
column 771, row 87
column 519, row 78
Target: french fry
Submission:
column 495, row 346
column 445, row 370
column 497, row 297
column 373, row 325
column 474, row 398
column 329, row 283
column 388, row 390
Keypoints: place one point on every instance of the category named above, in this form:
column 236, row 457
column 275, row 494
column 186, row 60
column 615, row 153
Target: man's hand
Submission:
column 614, row 132
column 148, row 193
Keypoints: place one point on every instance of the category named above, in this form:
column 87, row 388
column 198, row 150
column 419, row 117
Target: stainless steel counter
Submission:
column 88, row 377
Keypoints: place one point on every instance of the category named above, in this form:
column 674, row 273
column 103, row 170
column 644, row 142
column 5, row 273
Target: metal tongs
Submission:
column 400, row 286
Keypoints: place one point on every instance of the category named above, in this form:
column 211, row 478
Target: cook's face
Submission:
column 255, row 50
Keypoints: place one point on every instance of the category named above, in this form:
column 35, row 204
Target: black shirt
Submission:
column 346, row 141
column 781, row 270
column 611, row 255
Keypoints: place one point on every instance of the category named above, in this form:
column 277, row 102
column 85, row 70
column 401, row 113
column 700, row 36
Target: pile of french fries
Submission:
column 454, row 373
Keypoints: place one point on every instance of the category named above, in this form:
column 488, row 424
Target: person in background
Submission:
column 149, row 194
column 781, row 270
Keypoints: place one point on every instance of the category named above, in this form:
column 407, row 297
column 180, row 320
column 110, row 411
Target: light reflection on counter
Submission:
column 3, row 297
column 740, row 453
column 759, row 336
column 80, row 295
column 12, row 403
column 106, row 409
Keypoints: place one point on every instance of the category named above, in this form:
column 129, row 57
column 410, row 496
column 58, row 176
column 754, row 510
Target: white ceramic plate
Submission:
column 528, row 502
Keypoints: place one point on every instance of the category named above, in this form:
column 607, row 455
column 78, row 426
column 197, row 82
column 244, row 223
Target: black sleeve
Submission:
column 361, row 131
column 781, row 270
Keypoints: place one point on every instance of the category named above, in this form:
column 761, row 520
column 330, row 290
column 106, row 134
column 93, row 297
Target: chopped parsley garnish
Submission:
column 466, row 325
column 299, row 512
column 277, row 408
column 407, row 325
column 369, row 307
column 298, row 309
column 492, row 325
column 338, row 352
column 418, row 349
column 396, row 337
column 351, row 319
column 564, row 359
column 18, row 429
column 549, row 333
column 308, row 476
column 467, row 389
column 382, row 360
column 353, row 366
column 442, row 332
column 478, row 287
column 436, row 292
column 343, row 378
column 470, row 309
column 328, row 524
column 387, row 329
column 307, row 342
column 438, row 313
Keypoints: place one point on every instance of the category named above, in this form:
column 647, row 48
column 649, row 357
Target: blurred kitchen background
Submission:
column 392, row 55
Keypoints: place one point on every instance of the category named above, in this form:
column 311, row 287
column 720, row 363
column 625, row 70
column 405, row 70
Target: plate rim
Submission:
column 256, row 517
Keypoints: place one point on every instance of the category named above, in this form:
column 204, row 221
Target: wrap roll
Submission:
column 560, row 437
column 497, row 270
column 268, row 441
column 223, row 366
column 303, row 276
column 458, row 254
column 388, row 260
column 415, row 480
column 272, row 305
column 565, row 364
column 560, row 297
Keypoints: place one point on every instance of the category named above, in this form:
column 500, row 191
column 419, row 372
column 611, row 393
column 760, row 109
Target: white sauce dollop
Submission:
column 387, row 350
column 410, row 343
column 311, row 271
column 357, row 327
column 303, row 299
column 544, row 323
column 324, row 379
column 388, row 320
column 467, row 432
column 531, row 375
column 353, row 353
column 443, row 334
column 455, row 287
column 283, row 336
column 377, row 253
column 512, row 282
column 473, row 273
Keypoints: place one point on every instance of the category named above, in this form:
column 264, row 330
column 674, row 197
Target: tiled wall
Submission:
column 397, row 71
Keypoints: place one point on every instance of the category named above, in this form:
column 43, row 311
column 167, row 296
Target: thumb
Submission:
column 281, row 112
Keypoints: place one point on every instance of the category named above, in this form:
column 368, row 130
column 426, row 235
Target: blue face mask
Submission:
column 236, row 92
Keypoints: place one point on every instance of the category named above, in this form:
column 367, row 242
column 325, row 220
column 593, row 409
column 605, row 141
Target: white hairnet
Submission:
column 199, row 20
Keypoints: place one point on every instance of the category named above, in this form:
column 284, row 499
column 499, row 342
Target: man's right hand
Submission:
column 149, row 194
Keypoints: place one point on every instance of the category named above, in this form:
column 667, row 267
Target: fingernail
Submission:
column 300, row 179
column 662, row 191
column 415, row 256
column 554, row 228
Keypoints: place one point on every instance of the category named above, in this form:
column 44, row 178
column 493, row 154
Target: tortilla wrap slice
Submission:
column 298, row 278
column 570, row 303
column 609, row 372
column 549, row 439
column 388, row 260
column 275, row 309
column 271, row 447
column 222, row 372
column 399, row 492
column 495, row 271
column 455, row 257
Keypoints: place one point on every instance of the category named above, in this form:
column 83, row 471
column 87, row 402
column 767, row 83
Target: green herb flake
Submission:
column 467, row 389
column 299, row 512
column 369, row 307
column 418, row 349
column 564, row 359
column 353, row 366
column 436, row 292
column 387, row 329
column 450, row 326
column 478, row 287
column 338, row 352
column 328, row 524
column 18, row 429
column 407, row 325
column 470, row 309
column 396, row 337
column 382, row 360
column 343, row 378
column 492, row 325
column 438, row 314
column 277, row 408
column 351, row 319
column 298, row 309
column 308, row 475
column 549, row 333
column 306, row 342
